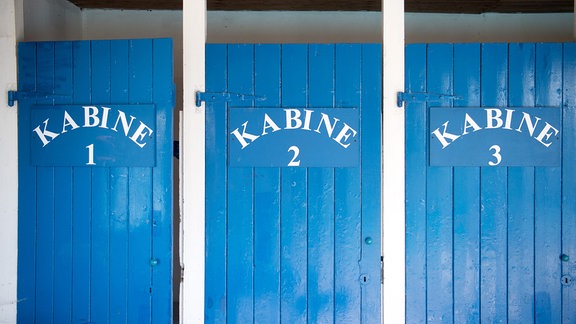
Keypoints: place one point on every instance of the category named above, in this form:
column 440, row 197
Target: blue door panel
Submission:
column 240, row 255
column 95, row 243
column 489, row 244
column 347, row 204
column 267, row 230
column 493, row 184
column 521, row 192
column 416, row 161
column 321, row 208
column 548, row 195
column 466, row 205
column 293, row 244
column 293, row 212
column 439, row 238
column 568, row 183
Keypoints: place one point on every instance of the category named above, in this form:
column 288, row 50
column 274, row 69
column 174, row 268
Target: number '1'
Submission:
column 90, row 154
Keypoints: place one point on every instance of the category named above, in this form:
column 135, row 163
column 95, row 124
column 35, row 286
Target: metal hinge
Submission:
column 381, row 270
column 32, row 95
column 224, row 96
column 403, row 97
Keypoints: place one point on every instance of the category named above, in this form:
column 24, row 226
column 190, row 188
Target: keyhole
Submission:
column 566, row 280
column 363, row 279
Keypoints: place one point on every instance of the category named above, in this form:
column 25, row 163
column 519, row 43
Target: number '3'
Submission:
column 496, row 149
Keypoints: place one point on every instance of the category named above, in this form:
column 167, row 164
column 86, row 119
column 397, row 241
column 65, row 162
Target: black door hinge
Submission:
column 224, row 97
column 403, row 97
column 14, row 96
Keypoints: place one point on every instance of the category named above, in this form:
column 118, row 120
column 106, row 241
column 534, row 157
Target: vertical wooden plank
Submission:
column 267, row 198
column 45, row 201
column 439, row 202
column 82, row 184
column 240, row 278
column 63, row 197
column 371, row 107
column 347, row 224
column 100, row 279
column 467, row 196
column 119, row 91
column 139, row 194
column 416, row 170
column 163, row 94
column 493, row 191
column 294, row 280
column 568, row 181
column 521, row 196
column 321, row 196
column 216, row 198
column 26, row 311
column 548, row 208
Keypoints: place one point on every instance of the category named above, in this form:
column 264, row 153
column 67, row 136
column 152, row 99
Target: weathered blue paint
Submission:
column 466, row 203
column 101, row 183
column 216, row 200
column 320, row 200
column 439, row 203
column 267, row 230
column 548, row 196
column 568, row 183
column 293, row 194
column 87, row 235
column 293, row 244
column 484, row 243
column 416, row 166
column 521, row 195
column 370, row 262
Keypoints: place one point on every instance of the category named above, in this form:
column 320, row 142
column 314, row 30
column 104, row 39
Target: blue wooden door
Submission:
column 491, row 244
column 95, row 233
column 292, row 244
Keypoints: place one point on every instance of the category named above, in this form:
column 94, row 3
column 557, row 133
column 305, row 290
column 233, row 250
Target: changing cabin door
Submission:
column 490, row 186
column 95, row 181
column 293, row 137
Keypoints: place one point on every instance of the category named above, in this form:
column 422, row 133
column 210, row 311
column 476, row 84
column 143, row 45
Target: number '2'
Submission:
column 294, row 161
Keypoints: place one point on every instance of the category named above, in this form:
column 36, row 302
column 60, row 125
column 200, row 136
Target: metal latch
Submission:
column 224, row 96
column 422, row 97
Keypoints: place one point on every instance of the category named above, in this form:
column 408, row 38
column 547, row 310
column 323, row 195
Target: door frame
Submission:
column 192, row 165
column 11, row 15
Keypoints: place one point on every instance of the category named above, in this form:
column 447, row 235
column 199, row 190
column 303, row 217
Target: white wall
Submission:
column 51, row 20
column 10, row 32
column 489, row 28
column 358, row 27
column 125, row 24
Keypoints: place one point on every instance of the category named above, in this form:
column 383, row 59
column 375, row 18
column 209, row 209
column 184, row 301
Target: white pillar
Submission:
column 11, row 18
column 393, row 170
column 192, row 164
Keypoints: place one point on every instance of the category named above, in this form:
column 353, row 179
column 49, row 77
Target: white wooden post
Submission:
column 192, row 165
column 393, row 170
column 11, row 20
